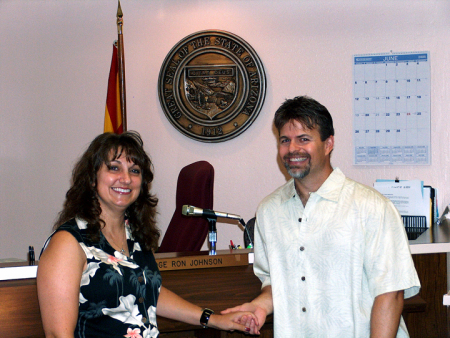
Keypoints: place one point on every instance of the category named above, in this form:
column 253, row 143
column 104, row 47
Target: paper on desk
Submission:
column 18, row 272
column 410, row 198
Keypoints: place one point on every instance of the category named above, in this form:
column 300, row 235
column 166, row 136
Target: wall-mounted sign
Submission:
column 212, row 86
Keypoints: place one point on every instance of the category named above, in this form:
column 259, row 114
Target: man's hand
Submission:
column 230, row 321
column 248, row 321
column 261, row 306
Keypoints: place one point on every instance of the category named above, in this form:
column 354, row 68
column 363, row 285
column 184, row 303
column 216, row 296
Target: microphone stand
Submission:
column 212, row 234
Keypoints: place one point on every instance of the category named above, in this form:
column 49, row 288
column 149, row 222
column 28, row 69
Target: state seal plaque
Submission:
column 212, row 86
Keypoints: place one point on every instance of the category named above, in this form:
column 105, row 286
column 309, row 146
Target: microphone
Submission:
column 189, row 210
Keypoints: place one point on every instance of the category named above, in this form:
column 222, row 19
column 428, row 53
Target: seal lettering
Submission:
column 212, row 86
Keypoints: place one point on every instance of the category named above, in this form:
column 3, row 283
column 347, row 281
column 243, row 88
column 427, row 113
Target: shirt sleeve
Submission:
column 388, row 263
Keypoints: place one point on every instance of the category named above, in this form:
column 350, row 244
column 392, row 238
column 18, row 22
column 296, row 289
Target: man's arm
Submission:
column 386, row 311
column 261, row 306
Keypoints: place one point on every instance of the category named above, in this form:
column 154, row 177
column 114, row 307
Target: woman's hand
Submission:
column 253, row 326
column 241, row 320
column 259, row 307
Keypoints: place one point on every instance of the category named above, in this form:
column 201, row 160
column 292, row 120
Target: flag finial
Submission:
column 119, row 11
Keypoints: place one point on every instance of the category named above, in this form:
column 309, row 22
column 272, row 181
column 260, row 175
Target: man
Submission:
column 332, row 254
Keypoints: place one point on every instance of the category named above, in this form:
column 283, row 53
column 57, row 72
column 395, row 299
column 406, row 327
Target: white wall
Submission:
column 54, row 65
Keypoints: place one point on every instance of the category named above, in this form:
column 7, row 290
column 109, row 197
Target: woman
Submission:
column 97, row 275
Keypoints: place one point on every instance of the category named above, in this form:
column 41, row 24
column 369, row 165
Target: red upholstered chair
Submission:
column 195, row 186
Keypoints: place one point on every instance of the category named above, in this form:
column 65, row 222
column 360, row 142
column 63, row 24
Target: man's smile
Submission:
column 296, row 159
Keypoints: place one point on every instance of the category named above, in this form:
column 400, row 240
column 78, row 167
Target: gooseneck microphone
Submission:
column 189, row 210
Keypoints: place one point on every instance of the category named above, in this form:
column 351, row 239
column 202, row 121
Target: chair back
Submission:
column 249, row 232
column 195, row 186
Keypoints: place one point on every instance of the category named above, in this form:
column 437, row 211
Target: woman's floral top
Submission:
column 118, row 294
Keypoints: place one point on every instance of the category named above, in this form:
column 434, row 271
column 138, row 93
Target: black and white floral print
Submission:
column 118, row 294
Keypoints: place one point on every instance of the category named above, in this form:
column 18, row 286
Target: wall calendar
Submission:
column 391, row 109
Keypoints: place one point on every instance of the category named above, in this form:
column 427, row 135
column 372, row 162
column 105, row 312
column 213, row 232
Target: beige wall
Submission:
column 54, row 64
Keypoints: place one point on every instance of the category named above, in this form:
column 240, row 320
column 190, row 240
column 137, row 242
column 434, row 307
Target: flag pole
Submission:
column 121, row 62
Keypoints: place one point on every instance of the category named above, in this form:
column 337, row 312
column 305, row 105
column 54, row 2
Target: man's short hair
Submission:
column 307, row 111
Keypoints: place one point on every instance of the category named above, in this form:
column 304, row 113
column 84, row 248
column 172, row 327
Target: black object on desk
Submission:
column 31, row 259
column 249, row 230
column 414, row 226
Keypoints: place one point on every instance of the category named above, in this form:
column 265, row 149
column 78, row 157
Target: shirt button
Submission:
column 144, row 320
column 300, row 219
column 141, row 300
column 303, row 278
column 302, row 248
column 304, row 309
column 140, row 279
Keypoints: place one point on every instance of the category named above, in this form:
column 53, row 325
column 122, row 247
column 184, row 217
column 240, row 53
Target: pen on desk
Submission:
column 232, row 245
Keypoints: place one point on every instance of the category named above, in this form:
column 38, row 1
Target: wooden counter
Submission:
column 429, row 252
column 222, row 286
column 215, row 286
column 434, row 240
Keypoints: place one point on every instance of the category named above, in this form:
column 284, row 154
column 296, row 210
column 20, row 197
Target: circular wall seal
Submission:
column 212, row 86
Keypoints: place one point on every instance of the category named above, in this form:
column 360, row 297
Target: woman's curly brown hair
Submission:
column 82, row 201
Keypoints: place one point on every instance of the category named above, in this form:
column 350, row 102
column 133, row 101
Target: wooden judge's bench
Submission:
column 217, row 282
column 223, row 281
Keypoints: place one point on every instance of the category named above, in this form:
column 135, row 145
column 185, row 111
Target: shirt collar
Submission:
column 288, row 191
column 330, row 189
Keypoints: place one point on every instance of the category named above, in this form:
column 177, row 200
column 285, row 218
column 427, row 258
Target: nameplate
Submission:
column 166, row 262
column 202, row 261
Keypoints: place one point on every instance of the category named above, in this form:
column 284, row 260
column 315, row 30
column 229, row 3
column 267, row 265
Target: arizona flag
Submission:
column 113, row 115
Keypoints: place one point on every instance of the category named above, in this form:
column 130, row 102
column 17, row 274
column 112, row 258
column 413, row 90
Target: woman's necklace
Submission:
column 122, row 250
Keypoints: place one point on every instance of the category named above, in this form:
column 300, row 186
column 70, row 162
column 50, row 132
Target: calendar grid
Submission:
column 391, row 109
